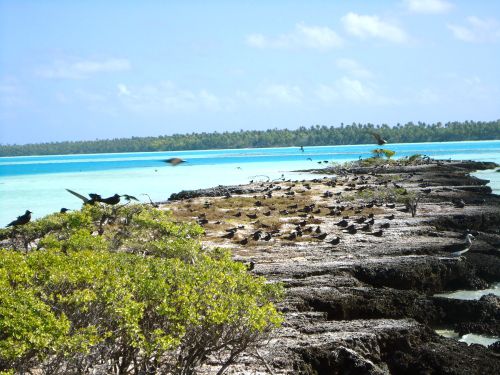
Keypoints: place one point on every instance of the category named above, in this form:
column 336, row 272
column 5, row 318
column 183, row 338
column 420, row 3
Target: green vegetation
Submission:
column 313, row 136
column 124, row 291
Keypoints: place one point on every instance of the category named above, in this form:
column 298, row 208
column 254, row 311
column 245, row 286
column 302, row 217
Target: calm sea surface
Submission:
column 37, row 183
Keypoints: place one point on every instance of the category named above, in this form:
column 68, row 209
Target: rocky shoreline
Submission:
column 366, row 304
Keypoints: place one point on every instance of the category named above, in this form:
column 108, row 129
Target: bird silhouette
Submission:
column 114, row 199
column 174, row 161
column 129, row 198
column 93, row 197
column 21, row 220
column 379, row 139
column 63, row 210
column 334, row 241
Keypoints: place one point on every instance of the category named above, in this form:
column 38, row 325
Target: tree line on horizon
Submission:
column 318, row 135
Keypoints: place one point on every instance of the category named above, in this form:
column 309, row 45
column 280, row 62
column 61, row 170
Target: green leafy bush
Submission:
column 124, row 291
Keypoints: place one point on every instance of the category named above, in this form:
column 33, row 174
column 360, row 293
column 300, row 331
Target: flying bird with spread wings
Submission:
column 175, row 161
column 380, row 141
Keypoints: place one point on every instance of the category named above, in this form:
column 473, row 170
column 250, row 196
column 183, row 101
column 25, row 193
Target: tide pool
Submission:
column 38, row 183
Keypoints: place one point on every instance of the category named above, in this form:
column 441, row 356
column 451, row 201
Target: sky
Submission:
column 85, row 70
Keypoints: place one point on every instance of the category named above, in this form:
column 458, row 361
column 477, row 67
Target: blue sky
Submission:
column 93, row 69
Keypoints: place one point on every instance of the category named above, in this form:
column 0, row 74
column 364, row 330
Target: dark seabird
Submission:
column 292, row 236
column 237, row 214
column 175, row 161
column 302, row 148
column 390, row 217
column 244, row 241
column 321, row 236
column 115, row 199
column 334, row 241
column 63, row 210
column 268, row 213
column 309, row 159
column 458, row 250
column 252, row 216
column 378, row 233
column 93, row 197
column 129, row 198
column 250, row 266
column 385, row 225
column 343, row 223
column 228, row 235
column 21, row 220
column 379, row 139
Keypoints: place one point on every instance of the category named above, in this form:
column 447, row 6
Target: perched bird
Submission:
column 244, row 241
column 390, row 217
column 252, row 216
column 378, row 233
column 342, row 223
column 379, row 139
column 334, row 241
column 302, row 148
column 228, row 235
column 114, row 199
column 250, row 266
column 21, row 220
column 63, row 210
column 93, row 197
column 174, row 161
column 321, row 236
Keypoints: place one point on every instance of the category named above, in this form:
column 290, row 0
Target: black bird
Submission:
column 256, row 235
column 342, row 223
column 390, row 205
column 292, row 236
column 93, row 197
column 174, row 161
column 228, row 235
column 321, row 236
column 385, row 225
column 317, row 230
column 267, row 237
column 129, row 198
column 250, row 266
column 334, row 241
column 244, row 241
column 268, row 213
column 21, row 220
column 302, row 148
column 378, row 233
column 379, row 139
column 459, row 203
column 237, row 214
column 115, row 199
column 63, row 210
column 309, row 159
column 390, row 217
column 252, row 216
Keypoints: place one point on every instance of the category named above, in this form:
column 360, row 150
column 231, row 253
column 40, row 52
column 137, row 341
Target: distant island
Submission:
column 313, row 136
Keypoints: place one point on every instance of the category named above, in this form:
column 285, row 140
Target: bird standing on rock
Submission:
column 21, row 220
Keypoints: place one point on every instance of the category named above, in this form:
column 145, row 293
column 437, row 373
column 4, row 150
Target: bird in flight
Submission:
column 21, row 220
column 174, row 161
column 379, row 139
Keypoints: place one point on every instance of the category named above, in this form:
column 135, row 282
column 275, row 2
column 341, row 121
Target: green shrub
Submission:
column 91, row 299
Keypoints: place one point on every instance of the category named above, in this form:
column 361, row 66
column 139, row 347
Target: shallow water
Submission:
column 38, row 183
column 470, row 338
column 471, row 294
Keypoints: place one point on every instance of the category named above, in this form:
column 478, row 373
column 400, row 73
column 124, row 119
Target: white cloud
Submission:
column 83, row 68
column 477, row 30
column 354, row 68
column 352, row 90
column 364, row 26
column 166, row 97
column 428, row 6
column 284, row 93
column 314, row 37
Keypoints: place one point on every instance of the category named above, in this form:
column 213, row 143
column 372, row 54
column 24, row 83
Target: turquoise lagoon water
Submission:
column 38, row 183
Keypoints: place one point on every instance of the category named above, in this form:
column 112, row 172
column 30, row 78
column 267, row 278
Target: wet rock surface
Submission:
column 366, row 305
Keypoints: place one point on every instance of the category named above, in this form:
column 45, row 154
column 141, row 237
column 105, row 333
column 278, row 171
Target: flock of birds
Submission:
column 364, row 224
